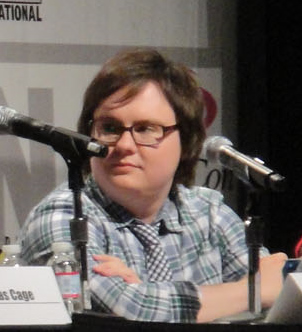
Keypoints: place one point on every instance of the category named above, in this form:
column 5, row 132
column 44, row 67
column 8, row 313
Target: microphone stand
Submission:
column 254, row 227
column 79, row 230
column 78, row 224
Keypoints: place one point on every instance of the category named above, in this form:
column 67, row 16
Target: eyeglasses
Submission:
column 143, row 133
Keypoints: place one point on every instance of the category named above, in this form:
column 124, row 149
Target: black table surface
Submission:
column 94, row 322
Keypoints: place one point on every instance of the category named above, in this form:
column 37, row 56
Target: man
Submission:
column 159, row 248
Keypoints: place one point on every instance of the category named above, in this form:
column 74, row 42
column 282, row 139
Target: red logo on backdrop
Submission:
column 298, row 248
column 210, row 107
column 215, row 178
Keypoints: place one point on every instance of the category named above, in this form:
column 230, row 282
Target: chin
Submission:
column 128, row 186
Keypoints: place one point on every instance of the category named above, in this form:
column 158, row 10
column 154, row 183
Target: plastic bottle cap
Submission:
column 61, row 246
column 11, row 248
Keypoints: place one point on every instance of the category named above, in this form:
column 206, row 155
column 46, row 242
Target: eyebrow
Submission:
column 107, row 118
column 118, row 121
column 101, row 117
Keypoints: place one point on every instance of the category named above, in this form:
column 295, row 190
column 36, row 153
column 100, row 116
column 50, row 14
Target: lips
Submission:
column 125, row 164
column 123, row 168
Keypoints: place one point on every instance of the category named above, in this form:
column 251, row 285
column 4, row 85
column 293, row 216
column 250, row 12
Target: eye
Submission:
column 110, row 128
column 146, row 128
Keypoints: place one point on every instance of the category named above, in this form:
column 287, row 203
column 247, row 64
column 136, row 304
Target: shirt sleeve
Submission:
column 158, row 301
column 230, row 231
column 173, row 301
column 48, row 222
column 165, row 301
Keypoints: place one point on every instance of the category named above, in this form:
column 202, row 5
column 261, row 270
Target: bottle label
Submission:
column 69, row 284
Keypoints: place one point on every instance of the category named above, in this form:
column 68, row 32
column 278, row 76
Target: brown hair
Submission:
column 134, row 68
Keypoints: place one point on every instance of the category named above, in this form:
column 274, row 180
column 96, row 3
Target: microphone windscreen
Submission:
column 211, row 147
column 6, row 114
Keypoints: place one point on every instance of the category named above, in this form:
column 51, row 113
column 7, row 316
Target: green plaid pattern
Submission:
column 203, row 239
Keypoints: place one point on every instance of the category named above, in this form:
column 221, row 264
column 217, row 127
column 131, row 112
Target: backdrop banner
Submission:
column 51, row 50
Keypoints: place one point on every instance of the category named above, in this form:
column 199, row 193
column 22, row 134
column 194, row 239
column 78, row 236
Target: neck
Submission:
column 144, row 207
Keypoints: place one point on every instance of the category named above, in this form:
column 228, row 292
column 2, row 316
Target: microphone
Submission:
column 218, row 149
column 67, row 142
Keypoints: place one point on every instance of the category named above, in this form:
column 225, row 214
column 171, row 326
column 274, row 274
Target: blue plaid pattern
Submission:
column 203, row 239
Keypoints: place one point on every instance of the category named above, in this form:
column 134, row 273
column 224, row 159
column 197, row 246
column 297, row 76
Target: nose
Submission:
column 126, row 142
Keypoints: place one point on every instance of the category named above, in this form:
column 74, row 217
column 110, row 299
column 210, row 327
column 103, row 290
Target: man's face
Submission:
column 131, row 168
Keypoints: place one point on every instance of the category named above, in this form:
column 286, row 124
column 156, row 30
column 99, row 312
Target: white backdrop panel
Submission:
column 46, row 65
column 180, row 23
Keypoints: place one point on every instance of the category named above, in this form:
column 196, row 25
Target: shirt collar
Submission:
column 168, row 215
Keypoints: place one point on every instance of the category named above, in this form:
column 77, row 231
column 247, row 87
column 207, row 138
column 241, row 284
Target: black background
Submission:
column 269, row 108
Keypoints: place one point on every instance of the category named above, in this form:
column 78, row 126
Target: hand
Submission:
column 271, row 277
column 111, row 266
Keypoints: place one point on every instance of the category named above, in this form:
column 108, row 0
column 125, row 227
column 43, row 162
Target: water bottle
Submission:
column 12, row 255
column 67, row 272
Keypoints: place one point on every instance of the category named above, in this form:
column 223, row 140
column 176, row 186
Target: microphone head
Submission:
column 6, row 114
column 211, row 148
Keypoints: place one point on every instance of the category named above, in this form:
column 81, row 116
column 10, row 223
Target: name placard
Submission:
column 287, row 308
column 29, row 295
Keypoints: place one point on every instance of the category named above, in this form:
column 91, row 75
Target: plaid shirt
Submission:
column 203, row 238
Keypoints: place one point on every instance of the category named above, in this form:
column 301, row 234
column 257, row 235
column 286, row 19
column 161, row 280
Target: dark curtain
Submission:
column 269, row 109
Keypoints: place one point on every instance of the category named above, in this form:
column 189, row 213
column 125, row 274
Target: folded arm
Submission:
column 216, row 300
column 232, row 298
